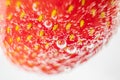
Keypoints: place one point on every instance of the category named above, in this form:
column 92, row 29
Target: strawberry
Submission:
column 54, row 35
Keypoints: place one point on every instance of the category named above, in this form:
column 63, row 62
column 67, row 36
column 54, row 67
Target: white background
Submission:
column 103, row 66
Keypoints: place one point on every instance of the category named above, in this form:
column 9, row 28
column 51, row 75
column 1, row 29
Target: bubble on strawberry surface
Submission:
column 61, row 44
column 54, row 36
column 48, row 24
column 71, row 50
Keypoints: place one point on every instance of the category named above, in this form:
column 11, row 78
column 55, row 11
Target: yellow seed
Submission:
column 29, row 25
column 10, row 40
column 34, row 55
column 72, row 37
column 18, row 39
column 41, row 33
column 30, row 64
column 40, row 18
column 8, row 29
column 20, row 61
column 91, row 31
column 80, row 41
column 46, row 45
column 54, row 12
column 55, row 27
column 17, row 27
column 82, row 2
column 22, row 15
column 24, row 56
column 70, row 8
column 68, row 26
column 9, row 17
column 93, row 12
column 8, row 3
column 108, row 23
column 102, row 15
column 36, row 47
column 112, row 2
column 18, row 48
column 18, row 4
column 82, row 22
column 29, row 37
column 25, row 47
column 56, row 53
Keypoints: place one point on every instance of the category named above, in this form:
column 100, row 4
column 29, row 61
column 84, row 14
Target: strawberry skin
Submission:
column 54, row 35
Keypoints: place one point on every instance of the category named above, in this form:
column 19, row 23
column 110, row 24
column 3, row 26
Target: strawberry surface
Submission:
column 51, row 36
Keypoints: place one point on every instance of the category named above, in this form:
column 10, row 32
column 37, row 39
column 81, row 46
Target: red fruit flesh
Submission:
column 53, row 35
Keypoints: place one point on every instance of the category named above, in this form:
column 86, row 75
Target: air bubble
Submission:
column 34, row 7
column 71, row 50
column 61, row 44
column 48, row 24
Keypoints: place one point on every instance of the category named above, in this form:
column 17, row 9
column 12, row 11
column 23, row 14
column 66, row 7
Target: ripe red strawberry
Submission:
column 54, row 35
